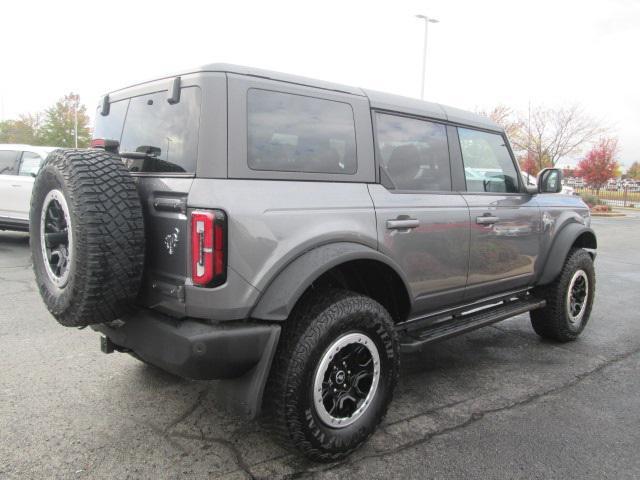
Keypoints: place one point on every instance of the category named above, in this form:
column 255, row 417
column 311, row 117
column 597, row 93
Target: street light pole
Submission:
column 427, row 21
column 75, row 123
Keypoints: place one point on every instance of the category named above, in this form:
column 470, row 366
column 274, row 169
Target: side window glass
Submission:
column 30, row 164
column 8, row 162
column 414, row 153
column 295, row 133
column 488, row 166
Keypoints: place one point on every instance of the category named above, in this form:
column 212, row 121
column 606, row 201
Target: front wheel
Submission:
column 334, row 374
column 569, row 299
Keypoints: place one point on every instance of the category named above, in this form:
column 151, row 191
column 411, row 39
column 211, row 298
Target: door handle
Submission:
column 402, row 224
column 487, row 220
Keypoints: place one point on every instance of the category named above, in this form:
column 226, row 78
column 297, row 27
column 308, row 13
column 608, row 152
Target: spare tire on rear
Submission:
column 87, row 236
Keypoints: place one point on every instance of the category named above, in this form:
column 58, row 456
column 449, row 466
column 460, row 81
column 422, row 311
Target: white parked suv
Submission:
column 19, row 165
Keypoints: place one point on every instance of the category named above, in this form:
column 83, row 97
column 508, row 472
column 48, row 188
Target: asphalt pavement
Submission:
column 495, row 403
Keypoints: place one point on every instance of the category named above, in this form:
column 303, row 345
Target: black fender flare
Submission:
column 279, row 298
column 560, row 247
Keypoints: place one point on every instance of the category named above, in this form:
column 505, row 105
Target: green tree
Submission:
column 26, row 129
column 634, row 171
column 59, row 123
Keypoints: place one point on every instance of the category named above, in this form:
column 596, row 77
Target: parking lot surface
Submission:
column 495, row 403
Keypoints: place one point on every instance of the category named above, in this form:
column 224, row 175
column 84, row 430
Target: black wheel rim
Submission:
column 346, row 379
column 55, row 237
column 577, row 297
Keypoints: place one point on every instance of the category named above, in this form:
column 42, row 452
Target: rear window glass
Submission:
column 109, row 127
column 167, row 133
column 294, row 133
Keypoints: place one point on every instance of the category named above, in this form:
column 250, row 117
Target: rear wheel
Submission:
column 334, row 374
column 569, row 299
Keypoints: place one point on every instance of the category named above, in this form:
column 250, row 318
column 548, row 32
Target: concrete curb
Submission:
column 611, row 214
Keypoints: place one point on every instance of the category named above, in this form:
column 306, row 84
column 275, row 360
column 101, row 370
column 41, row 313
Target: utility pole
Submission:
column 427, row 21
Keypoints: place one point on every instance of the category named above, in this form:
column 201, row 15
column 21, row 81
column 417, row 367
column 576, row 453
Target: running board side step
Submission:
column 413, row 341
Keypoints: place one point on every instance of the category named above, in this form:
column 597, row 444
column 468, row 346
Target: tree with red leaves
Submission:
column 529, row 164
column 599, row 165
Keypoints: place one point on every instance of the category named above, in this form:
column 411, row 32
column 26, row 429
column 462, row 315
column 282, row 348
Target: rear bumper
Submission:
column 195, row 349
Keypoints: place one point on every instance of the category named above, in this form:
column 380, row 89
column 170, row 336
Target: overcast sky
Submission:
column 480, row 54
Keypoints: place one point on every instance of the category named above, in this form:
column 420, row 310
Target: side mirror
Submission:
column 550, row 180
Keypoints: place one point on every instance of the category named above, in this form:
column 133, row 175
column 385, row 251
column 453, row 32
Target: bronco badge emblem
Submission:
column 171, row 241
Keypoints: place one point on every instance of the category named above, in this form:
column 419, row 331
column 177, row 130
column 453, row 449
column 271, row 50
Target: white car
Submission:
column 19, row 164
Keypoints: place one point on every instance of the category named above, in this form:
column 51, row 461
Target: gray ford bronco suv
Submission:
column 292, row 237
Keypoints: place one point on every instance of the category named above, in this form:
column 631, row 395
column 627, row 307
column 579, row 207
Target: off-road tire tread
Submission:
column 108, row 235
column 315, row 312
column 551, row 321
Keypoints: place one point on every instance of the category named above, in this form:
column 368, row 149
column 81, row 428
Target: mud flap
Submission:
column 243, row 395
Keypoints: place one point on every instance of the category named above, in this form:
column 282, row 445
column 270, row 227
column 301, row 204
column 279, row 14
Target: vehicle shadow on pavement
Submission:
column 457, row 374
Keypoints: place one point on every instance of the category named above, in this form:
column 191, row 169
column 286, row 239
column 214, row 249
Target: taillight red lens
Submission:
column 218, row 248
column 208, row 262
column 106, row 144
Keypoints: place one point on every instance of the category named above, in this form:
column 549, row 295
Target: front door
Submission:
column 505, row 221
column 422, row 224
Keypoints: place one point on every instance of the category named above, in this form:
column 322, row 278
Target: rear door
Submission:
column 422, row 223
column 167, row 134
column 505, row 221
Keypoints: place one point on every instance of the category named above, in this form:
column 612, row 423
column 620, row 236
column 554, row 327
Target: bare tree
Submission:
column 506, row 118
column 553, row 133
column 545, row 135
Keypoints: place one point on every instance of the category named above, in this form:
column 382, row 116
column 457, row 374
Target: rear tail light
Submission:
column 208, row 248
column 105, row 144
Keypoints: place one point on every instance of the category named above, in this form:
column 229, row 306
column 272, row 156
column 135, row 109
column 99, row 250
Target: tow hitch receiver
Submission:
column 106, row 345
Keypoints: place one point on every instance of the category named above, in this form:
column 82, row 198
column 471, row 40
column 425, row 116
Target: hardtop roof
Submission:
column 378, row 100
